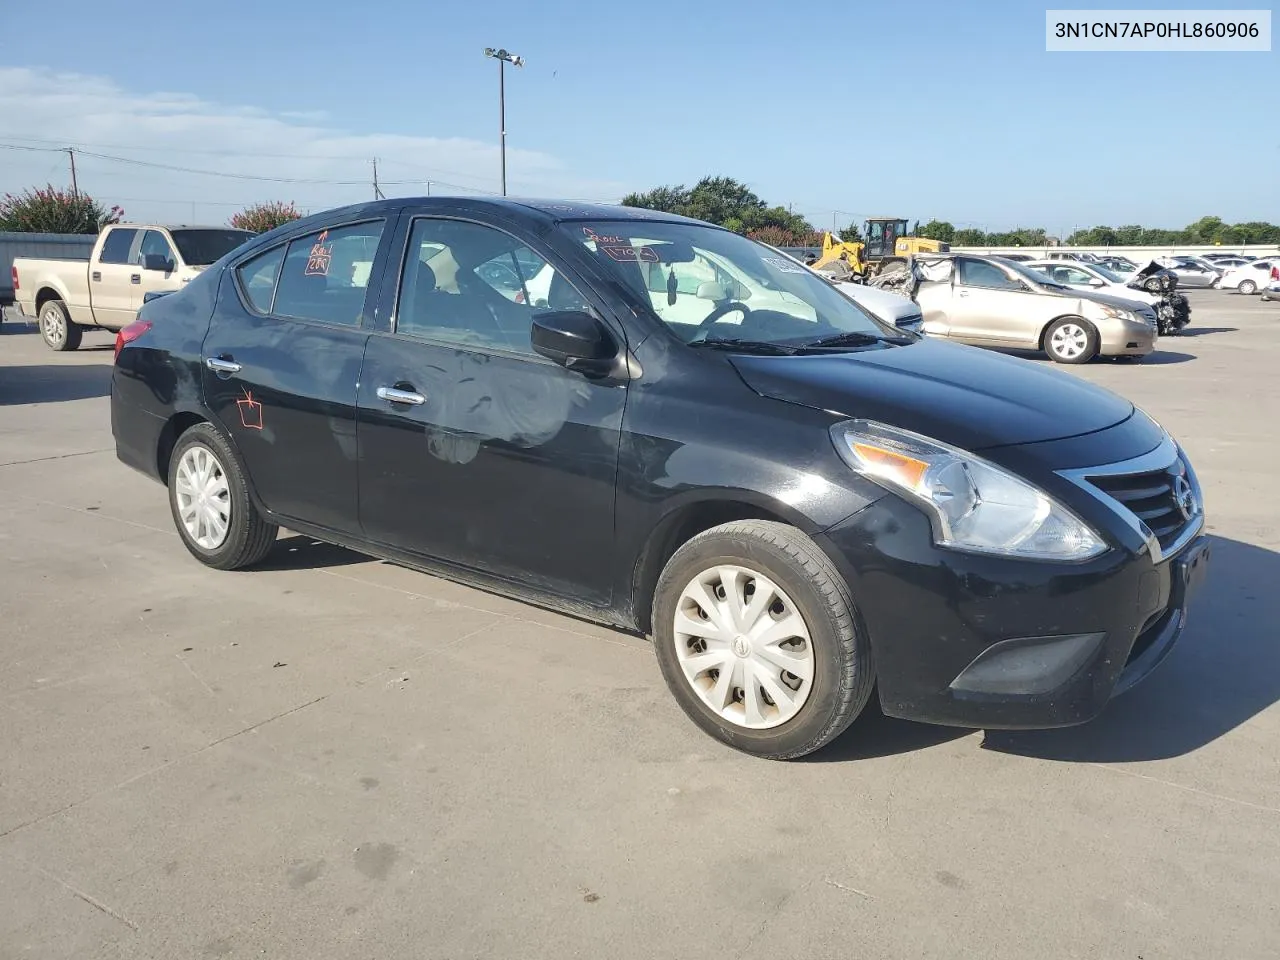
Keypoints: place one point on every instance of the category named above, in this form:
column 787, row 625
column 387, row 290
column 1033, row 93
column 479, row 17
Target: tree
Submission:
column 969, row 237
column 722, row 201
column 938, row 230
column 261, row 217
column 51, row 210
column 851, row 233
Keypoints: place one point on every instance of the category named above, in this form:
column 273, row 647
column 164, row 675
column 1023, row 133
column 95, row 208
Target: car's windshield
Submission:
column 710, row 284
column 1111, row 275
column 199, row 248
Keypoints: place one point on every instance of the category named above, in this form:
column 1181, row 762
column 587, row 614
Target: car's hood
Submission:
column 889, row 307
column 964, row 396
column 1119, row 301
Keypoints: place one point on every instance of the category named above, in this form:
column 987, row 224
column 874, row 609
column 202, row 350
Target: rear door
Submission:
column 474, row 449
column 114, row 279
column 281, row 366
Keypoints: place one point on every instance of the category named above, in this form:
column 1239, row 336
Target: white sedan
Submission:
column 1091, row 276
column 1249, row 278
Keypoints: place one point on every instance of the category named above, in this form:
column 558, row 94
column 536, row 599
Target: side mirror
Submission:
column 574, row 339
column 156, row 261
column 1095, row 282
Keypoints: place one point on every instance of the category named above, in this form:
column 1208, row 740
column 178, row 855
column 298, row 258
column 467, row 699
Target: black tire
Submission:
column 1152, row 284
column 1091, row 340
column 249, row 537
column 57, row 329
column 843, row 668
column 1247, row 287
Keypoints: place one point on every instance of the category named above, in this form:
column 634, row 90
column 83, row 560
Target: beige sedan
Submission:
column 990, row 302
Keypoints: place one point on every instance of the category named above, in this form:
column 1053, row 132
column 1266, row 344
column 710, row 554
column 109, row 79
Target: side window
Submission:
column 476, row 286
column 325, row 275
column 115, row 249
column 978, row 273
column 258, row 278
column 154, row 242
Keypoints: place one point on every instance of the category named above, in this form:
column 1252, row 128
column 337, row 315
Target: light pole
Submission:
column 503, row 57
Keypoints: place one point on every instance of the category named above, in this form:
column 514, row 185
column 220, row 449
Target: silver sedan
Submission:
column 1190, row 274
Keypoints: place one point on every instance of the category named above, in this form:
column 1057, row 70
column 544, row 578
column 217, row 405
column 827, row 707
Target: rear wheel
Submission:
column 755, row 633
column 57, row 329
column 1071, row 340
column 210, row 502
column 1248, row 287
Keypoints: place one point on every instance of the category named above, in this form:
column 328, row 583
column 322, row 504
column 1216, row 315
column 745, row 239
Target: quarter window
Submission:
column 258, row 278
column 325, row 275
column 115, row 249
column 469, row 284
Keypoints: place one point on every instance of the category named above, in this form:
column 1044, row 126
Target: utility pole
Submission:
column 75, row 187
column 377, row 190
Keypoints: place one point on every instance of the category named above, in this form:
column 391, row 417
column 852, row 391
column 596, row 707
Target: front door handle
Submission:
column 135, row 278
column 97, row 276
column 962, row 293
column 394, row 395
column 222, row 365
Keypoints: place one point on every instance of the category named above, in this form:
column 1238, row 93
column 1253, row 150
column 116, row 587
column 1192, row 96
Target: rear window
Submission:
column 115, row 249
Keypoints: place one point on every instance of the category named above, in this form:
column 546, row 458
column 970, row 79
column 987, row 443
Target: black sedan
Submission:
column 663, row 426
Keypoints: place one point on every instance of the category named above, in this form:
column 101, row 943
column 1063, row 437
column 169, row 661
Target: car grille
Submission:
column 1151, row 497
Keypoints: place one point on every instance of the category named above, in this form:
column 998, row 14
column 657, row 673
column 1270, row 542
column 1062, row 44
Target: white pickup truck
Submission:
column 128, row 261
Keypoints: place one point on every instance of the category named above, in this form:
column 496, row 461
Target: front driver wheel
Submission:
column 1071, row 340
column 210, row 502
column 755, row 632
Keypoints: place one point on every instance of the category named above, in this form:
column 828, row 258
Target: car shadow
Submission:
column 1203, row 331
column 875, row 735
column 53, row 383
column 296, row 552
column 1162, row 357
column 1224, row 671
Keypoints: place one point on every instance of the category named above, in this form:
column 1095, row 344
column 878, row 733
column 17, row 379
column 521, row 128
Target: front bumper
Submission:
column 979, row 641
column 1125, row 338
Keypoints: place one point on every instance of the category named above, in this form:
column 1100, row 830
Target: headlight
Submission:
column 972, row 504
column 1116, row 312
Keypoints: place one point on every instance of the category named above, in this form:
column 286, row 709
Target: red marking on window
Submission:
column 320, row 257
column 250, row 412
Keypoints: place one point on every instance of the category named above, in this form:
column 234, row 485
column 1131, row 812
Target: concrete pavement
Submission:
column 335, row 757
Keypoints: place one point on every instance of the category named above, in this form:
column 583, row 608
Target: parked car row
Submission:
column 692, row 436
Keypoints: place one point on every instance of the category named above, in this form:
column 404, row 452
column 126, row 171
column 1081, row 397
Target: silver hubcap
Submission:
column 1069, row 340
column 743, row 647
column 204, row 499
column 55, row 328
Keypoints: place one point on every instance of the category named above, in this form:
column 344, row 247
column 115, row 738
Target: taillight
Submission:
column 131, row 333
column 13, row 272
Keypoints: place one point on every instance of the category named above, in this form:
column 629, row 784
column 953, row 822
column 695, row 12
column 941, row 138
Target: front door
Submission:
column 991, row 306
column 282, row 364
column 473, row 449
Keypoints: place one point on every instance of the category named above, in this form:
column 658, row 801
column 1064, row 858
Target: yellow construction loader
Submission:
column 885, row 249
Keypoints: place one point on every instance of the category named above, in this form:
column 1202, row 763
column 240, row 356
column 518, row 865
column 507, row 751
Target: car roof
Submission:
column 545, row 210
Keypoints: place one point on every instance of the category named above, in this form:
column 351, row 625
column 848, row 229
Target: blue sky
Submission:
column 932, row 109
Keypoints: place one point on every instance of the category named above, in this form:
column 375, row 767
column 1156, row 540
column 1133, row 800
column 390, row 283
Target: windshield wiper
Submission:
column 853, row 338
column 744, row 346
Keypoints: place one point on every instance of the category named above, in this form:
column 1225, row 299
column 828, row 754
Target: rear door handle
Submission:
column 394, row 395
column 222, row 365
column 135, row 278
